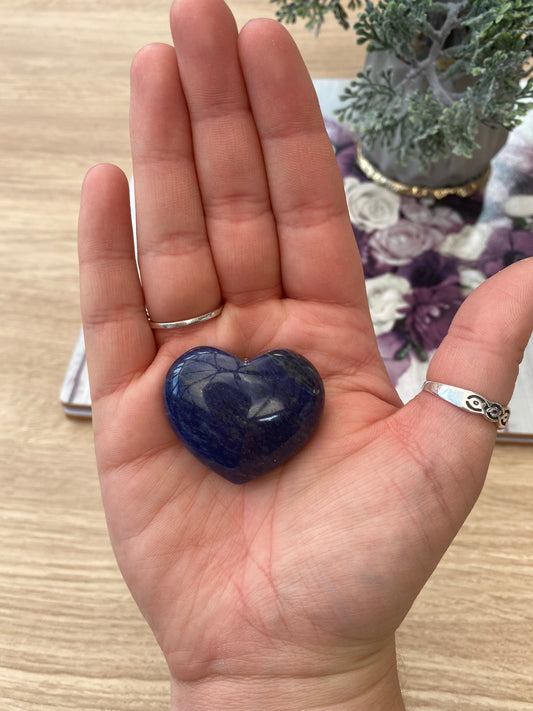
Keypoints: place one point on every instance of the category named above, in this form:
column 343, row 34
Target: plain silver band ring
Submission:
column 186, row 322
column 471, row 402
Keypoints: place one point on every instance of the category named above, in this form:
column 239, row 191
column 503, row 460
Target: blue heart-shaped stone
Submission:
column 242, row 418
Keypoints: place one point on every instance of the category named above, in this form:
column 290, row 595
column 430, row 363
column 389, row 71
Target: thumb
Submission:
column 487, row 338
column 481, row 353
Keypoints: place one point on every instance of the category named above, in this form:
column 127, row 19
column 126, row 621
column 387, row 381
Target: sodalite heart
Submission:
column 243, row 419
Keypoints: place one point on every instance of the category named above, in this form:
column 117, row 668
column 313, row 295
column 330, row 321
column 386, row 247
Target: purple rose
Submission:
column 504, row 248
column 370, row 266
column 430, row 269
column 390, row 344
column 346, row 161
column 339, row 135
column 430, row 313
column 416, row 210
column 445, row 219
column 343, row 142
column 400, row 243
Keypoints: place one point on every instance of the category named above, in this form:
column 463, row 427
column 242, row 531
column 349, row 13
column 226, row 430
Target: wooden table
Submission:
column 70, row 635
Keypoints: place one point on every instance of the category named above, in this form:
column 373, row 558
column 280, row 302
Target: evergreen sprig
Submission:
column 315, row 11
column 483, row 45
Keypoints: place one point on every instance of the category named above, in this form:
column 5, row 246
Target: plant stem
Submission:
column 426, row 67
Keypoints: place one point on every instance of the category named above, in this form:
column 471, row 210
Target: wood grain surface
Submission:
column 70, row 635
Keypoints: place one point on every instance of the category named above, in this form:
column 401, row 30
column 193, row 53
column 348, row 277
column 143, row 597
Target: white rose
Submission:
column 371, row 207
column 519, row 206
column 469, row 243
column 470, row 279
column 385, row 298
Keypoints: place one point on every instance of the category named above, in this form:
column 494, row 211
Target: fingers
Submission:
column 481, row 353
column 178, row 273
column 486, row 341
column 443, row 452
column 205, row 224
column 236, row 127
column 318, row 252
column 229, row 162
column 118, row 339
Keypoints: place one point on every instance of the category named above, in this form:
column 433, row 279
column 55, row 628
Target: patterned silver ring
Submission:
column 156, row 325
column 471, row 402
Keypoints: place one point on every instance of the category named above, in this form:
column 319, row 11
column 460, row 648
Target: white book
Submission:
column 75, row 395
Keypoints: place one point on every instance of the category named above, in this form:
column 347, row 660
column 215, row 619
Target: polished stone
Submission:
column 243, row 419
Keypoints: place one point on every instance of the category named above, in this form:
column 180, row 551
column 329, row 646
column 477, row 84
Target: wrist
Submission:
column 369, row 684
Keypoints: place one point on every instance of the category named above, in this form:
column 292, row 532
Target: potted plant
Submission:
column 443, row 84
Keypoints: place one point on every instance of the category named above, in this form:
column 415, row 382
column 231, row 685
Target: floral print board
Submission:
column 423, row 256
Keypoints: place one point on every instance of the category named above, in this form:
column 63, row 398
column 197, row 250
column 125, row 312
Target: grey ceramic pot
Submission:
column 451, row 171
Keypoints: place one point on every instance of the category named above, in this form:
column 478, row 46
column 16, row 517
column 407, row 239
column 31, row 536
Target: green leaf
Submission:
column 472, row 55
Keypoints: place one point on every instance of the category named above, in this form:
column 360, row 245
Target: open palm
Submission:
column 311, row 567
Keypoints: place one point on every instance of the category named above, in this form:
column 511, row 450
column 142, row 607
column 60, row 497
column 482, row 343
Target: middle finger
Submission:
column 229, row 162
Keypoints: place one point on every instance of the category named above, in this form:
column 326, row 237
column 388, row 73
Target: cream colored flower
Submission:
column 385, row 297
column 469, row 243
column 470, row 279
column 371, row 207
column 519, row 206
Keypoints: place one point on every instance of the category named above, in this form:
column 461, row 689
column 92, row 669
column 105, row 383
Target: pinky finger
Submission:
column 118, row 338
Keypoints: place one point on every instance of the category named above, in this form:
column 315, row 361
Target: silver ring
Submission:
column 471, row 402
column 186, row 322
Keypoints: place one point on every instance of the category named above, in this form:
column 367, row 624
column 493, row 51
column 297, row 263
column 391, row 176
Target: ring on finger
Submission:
column 167, row 325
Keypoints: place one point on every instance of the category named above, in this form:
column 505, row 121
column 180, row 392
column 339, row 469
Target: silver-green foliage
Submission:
column 483, row 44
column 315, row 11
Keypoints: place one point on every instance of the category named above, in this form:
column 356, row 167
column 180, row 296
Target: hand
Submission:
column 292, row 586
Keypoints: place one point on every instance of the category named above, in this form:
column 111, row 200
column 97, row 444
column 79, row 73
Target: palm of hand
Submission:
column 212, row 564
column 326, row 553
